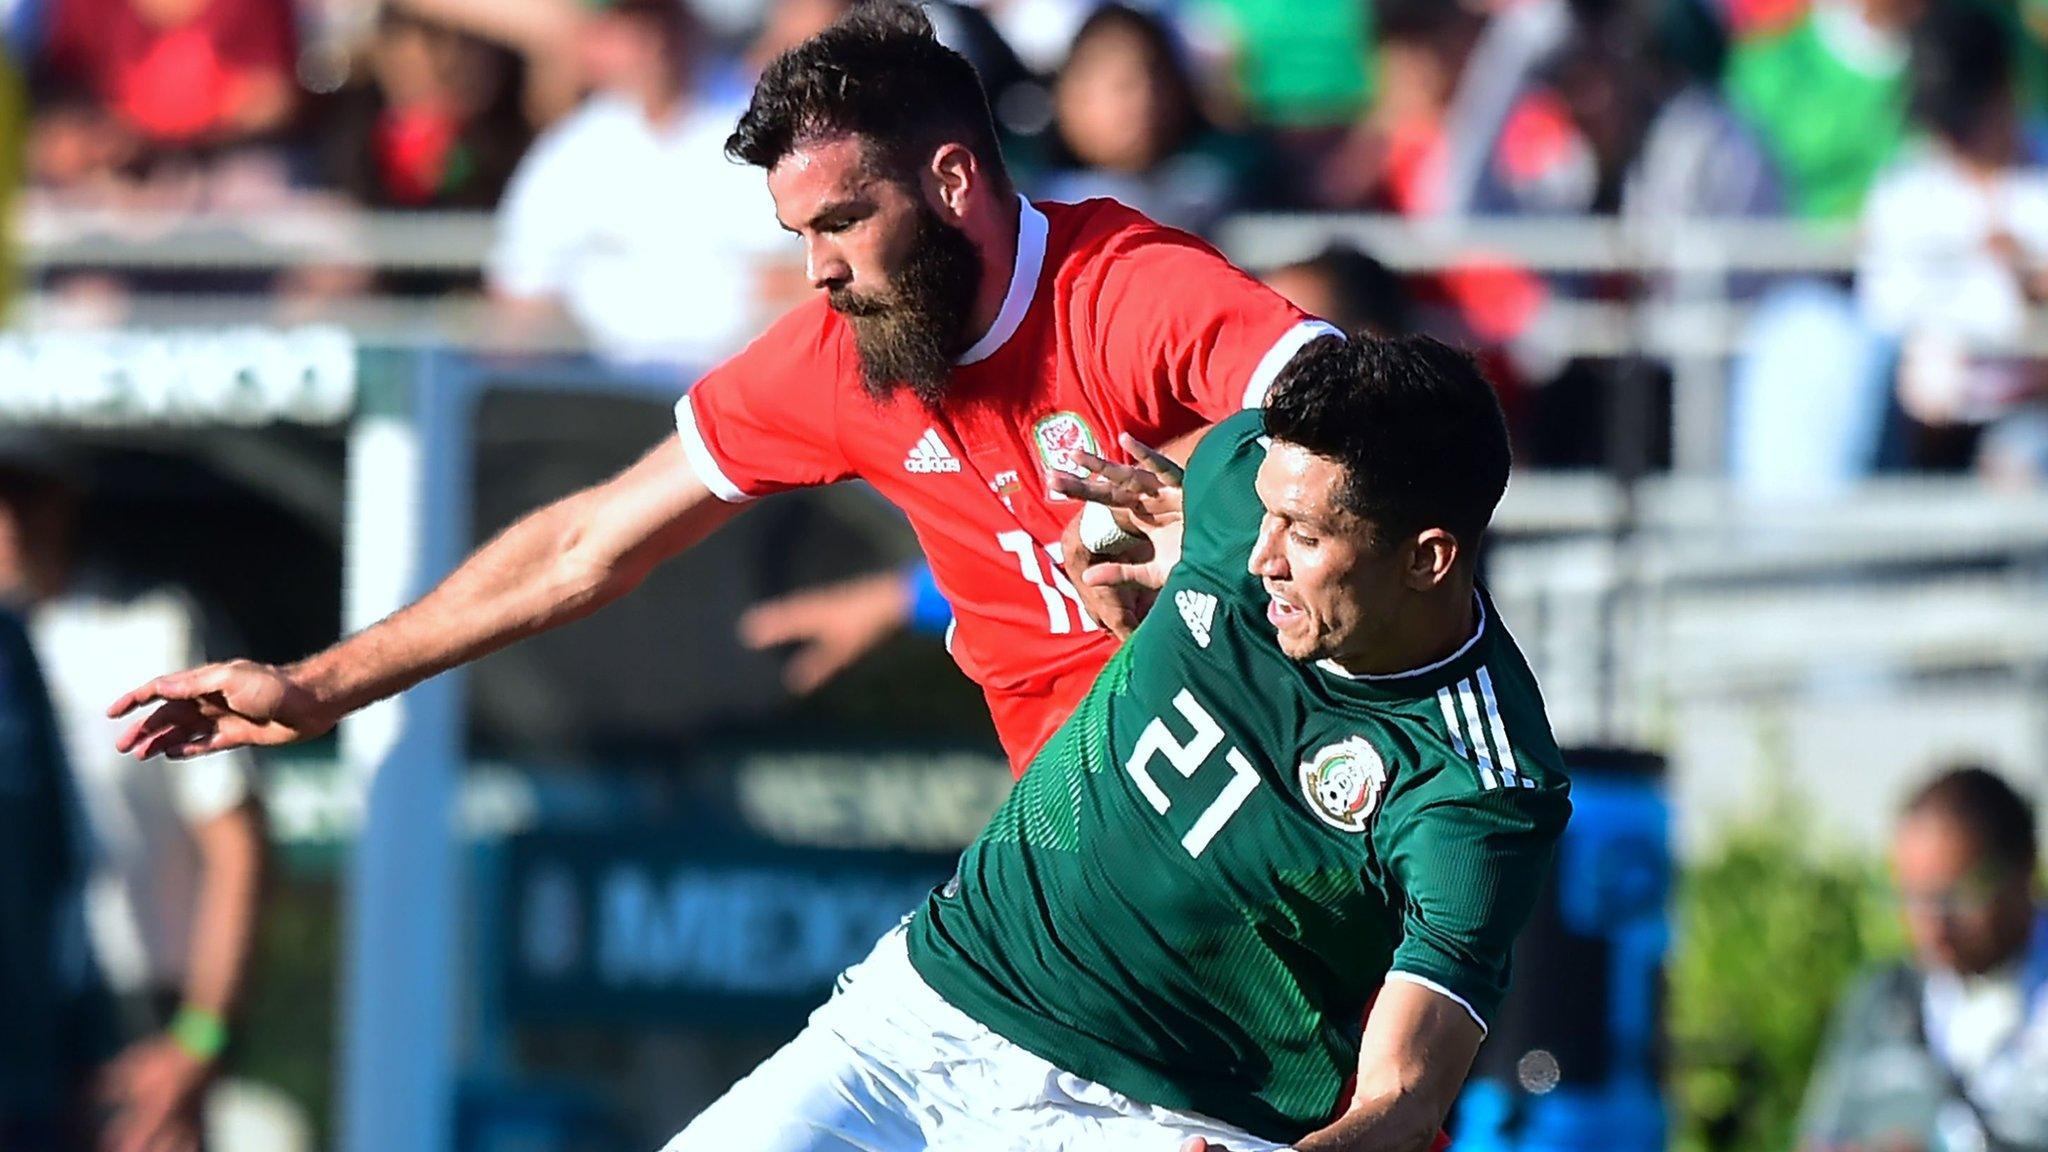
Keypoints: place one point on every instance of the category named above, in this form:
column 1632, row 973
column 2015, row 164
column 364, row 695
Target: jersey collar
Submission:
column 1031, row 229
column 1423, row 679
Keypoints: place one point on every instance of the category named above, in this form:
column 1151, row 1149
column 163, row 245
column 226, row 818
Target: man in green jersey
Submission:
column 1323, row 779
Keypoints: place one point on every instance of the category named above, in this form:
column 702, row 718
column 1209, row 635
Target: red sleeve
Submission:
column 1185, row 336
column 257, row 35
column 764, row 421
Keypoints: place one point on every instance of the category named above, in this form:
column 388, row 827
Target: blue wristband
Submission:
column 929, row 612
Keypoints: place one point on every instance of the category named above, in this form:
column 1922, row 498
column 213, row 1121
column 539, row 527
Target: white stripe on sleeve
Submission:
column 1510, row 770
column 698, row 453
column 1279, row 354
column 1446, row 993
column 1478, row 733
column 1443, row 698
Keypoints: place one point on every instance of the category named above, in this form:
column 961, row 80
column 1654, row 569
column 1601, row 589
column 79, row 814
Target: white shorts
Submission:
column 888, row 1066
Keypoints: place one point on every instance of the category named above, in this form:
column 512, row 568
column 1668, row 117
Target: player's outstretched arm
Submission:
column 1417, row 1049
column 557, row 564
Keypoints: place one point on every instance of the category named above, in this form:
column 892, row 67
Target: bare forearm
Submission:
column 1417, row 1049
column 556, row 565
column 524, row 581
column 230, row 889
column 1391, row 1123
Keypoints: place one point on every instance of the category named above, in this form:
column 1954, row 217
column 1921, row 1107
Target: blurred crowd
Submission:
column 593, row 129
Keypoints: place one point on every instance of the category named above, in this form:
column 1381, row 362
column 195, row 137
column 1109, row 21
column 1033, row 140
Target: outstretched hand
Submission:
column 217, row 707
column 829, row 627
column 1147, row 496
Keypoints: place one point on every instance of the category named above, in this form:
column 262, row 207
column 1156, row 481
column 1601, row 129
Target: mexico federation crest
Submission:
column 1057, row 438
column 1343, row 783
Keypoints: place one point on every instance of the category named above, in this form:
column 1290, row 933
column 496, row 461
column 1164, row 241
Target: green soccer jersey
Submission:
column 1830, row 118
column 1216, row 862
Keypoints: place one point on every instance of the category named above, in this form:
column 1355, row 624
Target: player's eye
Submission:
column 1303, row 538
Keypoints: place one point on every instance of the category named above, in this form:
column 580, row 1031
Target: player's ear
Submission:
column 952, row 177
column 1432, row 554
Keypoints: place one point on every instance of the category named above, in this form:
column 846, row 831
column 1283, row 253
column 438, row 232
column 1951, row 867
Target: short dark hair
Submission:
column 1981, row 802
column 1960, row 68
column 1364, row 293
column 1413, row 421
column 879, row 74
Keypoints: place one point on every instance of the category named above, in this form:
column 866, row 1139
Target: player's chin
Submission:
column 1296, row 642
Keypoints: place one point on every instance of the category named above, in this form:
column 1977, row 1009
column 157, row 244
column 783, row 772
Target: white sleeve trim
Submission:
column 1279, row 354
column 1446, row 993
column 698, row 453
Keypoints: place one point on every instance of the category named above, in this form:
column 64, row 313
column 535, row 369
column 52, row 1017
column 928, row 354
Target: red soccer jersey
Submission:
column 1112, row 324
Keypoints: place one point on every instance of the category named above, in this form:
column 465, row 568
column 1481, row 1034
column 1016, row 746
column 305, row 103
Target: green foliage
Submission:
column 1771, row 930
column 286, row 1037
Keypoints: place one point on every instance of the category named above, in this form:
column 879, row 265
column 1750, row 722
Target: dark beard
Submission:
column 910, row 339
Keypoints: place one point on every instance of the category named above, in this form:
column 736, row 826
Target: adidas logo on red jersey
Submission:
column 929, row 455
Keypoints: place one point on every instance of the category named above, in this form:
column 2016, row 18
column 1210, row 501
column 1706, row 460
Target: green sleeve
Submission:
column 1221, row 506
column 1469, row 864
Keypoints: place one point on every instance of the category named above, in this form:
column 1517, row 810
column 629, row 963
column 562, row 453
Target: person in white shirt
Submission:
column 627, row 215
column 1948, row 1052
column 1956, row 248
column 175, row 856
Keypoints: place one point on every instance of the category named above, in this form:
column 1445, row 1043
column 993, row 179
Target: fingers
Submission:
column 1095, row 490
column 135, row 698
column 1158, row 461
column 1105, row 575
column 815, row 666
column 166, row 723
column 1121, row 474
column 191, row 683
column 177, row 686
column 774, row 623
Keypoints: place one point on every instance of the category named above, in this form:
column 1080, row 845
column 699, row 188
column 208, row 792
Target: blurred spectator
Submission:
column 1612, row 125
column 1016, row 97
column 1299, row 64
column 1128, row 125
column 628, row 216
column 1956, row 249
column 1395, row 155
column 176, row 849
column 1516, row 39
column 1948, row 1051
column 1349, row 289
column 784, row 25
column 45, row 1049
column 174, row 92
column 1041, row 31
column 1828, row 94
column 431, row 117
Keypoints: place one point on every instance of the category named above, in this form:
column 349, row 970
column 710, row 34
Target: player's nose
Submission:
column 1267, row 559
column 826, row 267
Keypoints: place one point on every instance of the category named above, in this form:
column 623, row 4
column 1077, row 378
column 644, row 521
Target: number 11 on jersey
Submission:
column 1062, row 602
column 1187, row 756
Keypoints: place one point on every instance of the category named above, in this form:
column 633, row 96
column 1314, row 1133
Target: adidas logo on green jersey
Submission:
column 1197, row 611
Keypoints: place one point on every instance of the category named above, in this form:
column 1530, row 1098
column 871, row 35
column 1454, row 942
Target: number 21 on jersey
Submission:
column 1186, row 756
